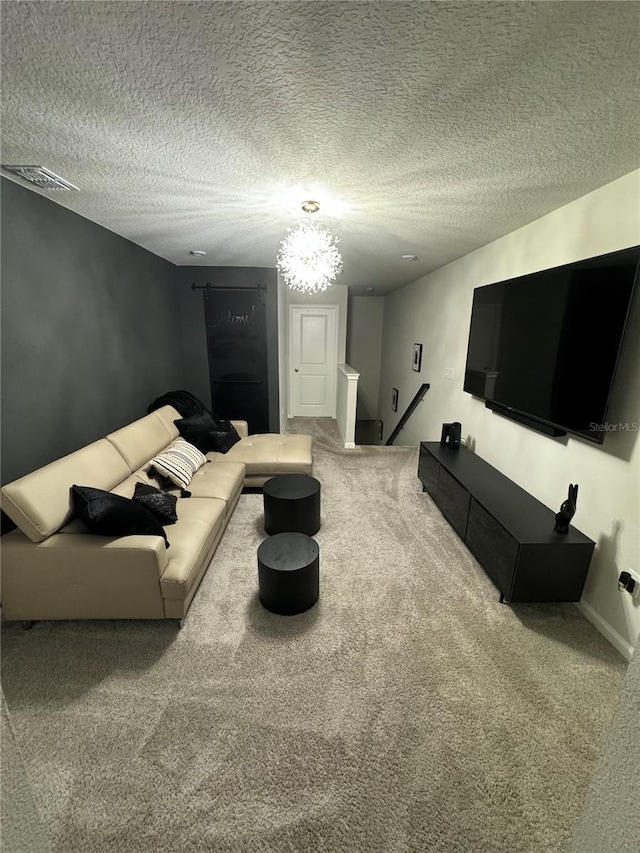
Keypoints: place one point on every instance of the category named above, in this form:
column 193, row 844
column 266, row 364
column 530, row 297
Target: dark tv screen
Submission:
column 546, row 345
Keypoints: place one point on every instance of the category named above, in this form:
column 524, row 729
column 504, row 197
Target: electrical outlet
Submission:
column 448, row 373
column 630, row 581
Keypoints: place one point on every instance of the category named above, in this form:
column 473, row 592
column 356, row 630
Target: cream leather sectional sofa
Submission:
column 53, row 568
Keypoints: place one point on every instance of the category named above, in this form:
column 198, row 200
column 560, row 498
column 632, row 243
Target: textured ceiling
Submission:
column 426, row 128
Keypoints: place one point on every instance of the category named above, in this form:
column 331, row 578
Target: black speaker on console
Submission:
column 451, row 434
column 455, row 435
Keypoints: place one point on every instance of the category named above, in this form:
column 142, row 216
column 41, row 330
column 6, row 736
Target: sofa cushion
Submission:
column 107, row 514
column 192, row 538
column 223, row 481
column 127, row 487
column 179, row 462
column 40, row 503
column 270, row 454
column 139, row 441
column 160, row 504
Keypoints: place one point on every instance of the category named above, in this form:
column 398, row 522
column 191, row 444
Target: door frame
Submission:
column 315, row 309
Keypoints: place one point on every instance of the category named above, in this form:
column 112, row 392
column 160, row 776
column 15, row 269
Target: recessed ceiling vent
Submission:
column 41, row 177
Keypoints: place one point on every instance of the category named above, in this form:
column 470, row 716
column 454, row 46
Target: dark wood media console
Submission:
column 507, row 530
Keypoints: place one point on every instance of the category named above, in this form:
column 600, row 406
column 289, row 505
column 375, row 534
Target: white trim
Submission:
column 283, row 355
column 616, row 639
column 346, row 402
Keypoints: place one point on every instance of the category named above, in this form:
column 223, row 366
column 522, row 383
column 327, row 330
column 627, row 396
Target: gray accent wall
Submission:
column 90, row 331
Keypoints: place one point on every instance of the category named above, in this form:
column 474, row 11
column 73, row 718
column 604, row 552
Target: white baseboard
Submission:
column 348, row 445
column 616, row 639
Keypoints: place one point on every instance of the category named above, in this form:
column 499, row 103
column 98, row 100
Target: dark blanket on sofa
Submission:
column 184, row 401
column 199, row 426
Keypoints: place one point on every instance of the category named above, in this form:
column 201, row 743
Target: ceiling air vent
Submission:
column 41, row 177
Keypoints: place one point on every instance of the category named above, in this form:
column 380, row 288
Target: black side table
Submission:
column 288, row 573
column 292, row 504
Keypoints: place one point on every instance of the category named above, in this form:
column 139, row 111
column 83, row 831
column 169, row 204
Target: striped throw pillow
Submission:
column 179, row 463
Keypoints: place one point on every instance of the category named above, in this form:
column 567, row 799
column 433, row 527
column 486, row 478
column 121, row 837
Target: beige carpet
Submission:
column 407, row 711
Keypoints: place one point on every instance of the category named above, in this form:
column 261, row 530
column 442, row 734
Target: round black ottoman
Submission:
column 288, row 573
column 291, row 504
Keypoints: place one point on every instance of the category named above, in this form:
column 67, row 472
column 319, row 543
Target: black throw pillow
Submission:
column 112, row 515
column 160, row 504
column 197, row 430
column 224, row 436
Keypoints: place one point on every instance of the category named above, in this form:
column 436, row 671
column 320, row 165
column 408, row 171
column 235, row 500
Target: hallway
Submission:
column 326, row 431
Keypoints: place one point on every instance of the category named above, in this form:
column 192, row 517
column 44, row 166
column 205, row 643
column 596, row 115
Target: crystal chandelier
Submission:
column 309, row 259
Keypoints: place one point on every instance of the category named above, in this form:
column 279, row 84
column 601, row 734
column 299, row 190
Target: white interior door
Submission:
column 313, row 359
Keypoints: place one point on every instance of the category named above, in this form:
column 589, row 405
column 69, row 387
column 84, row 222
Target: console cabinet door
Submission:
column 453, row 500
column 428, row 469
column 492, row 546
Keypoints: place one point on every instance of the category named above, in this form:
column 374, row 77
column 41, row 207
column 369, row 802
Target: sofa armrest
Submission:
column 82, row 556
column 79, row 575
column 242, row 428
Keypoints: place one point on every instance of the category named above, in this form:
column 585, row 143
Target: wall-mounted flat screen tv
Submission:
column 543, row 348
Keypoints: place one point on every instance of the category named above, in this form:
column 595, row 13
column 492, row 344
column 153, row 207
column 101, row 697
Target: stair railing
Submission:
column 409, row 411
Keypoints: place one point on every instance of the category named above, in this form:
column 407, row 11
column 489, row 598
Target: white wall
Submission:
column 436, row 311
column 364, row 350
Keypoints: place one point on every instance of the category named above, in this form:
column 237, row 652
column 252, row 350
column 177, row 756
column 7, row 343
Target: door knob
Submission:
column 295, row 369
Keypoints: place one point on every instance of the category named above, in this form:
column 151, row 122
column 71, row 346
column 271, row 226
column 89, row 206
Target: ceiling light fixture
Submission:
column 309, row 259
column 197, row 252
column 408, row 257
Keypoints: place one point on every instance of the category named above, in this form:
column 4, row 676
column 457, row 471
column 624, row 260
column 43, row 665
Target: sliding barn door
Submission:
column 237, row 348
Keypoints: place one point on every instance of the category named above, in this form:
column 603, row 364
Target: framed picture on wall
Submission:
column 417, row 357
column 394, row 399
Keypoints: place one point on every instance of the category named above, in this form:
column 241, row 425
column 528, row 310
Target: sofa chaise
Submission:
column 53, row 568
